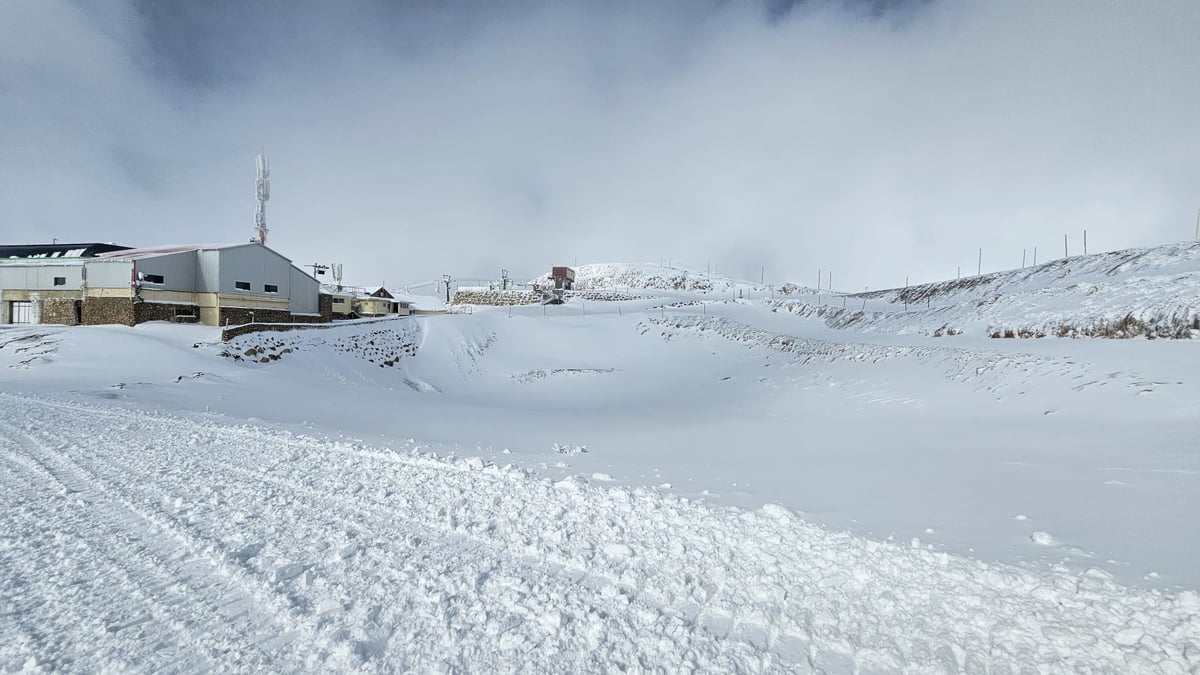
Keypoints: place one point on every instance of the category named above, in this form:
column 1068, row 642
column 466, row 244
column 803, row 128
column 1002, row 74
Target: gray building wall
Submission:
column 41, row 277
column 208, row 271
column 305, row 293
column 257, row 265
column 108, row 273
column 178, row 271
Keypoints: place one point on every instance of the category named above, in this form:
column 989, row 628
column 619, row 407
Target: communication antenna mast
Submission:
column 262, row 189
column 337, row 274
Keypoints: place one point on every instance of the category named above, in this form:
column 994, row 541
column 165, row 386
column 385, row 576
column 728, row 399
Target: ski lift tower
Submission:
column 262, row 189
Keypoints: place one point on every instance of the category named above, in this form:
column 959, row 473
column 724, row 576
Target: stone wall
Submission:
column 502, row 298
column 240, row 315
column 325, row 308
column 154, row 311
column 98, row 311
column 228, row 334
column 483, row 296
column 60, row 310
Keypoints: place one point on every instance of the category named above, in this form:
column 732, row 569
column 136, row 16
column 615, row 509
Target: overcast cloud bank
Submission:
column 878, row 141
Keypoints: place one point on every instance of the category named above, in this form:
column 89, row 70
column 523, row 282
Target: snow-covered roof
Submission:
column 44, row 262
column 155, row 251
column 55, row 250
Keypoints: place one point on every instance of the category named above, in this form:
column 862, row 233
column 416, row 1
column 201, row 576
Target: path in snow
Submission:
column 133, row 541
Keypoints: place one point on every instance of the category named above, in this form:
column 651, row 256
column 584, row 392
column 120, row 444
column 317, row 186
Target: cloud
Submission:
column 877, row 140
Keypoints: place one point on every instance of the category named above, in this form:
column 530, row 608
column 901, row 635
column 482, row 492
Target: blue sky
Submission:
column 878, row 139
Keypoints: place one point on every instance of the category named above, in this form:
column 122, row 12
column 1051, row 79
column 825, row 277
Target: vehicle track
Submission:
column 244, row 548
column 173, row 581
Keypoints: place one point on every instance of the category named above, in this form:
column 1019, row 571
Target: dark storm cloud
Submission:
column 880, row 139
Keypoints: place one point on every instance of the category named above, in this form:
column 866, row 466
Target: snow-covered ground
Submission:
column 701, row 478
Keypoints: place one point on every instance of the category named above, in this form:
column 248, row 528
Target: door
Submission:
column 20, row 312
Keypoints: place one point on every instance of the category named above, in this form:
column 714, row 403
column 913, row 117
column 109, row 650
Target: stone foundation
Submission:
column 65, row 311
column 153, row 311
column 97, row 311
column 325, row 308
column 239, row 315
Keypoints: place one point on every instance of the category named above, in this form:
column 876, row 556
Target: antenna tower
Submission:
column 262, row 189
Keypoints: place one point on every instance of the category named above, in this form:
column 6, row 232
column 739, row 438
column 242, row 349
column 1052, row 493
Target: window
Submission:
column 187, row 312
column 339, row 301
column 242, row 285
column 152, row 278
column 60, row 281
column 270, row 288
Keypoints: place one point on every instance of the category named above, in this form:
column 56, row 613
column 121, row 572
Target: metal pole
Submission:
column 1065, row 253
column 1085, row 242
column 1022, row 258
column 979, row 267
column 818, row 278
column 1035, row 256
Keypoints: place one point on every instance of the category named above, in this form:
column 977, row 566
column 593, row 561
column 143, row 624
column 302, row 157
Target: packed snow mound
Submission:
column 384, row 352
column 382, row 343
column 241, row 548
column 1151, row 292
column 651, row 277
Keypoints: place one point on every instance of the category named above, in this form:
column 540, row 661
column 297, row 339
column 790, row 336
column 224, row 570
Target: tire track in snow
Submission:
column 595, row 606
column 600, row 592
column 180, row 586
column 425, row 563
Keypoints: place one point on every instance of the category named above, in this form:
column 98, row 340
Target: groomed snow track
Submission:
column 131, row 541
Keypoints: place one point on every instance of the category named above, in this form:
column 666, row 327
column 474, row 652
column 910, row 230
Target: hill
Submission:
column 1150, row 292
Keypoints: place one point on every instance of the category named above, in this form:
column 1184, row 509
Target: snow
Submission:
column 1124, row 293
column 210, row 545
column 696, row 479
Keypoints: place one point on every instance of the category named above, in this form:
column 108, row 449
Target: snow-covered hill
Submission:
column 677, row 477
column 652, row 277
column 1152, row 292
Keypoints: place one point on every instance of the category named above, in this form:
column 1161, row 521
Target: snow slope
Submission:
column 690, row 478
column 146, row 542
column 1128, row 293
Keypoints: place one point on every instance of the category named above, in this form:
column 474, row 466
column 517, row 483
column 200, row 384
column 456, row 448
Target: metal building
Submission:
column 210, row 284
